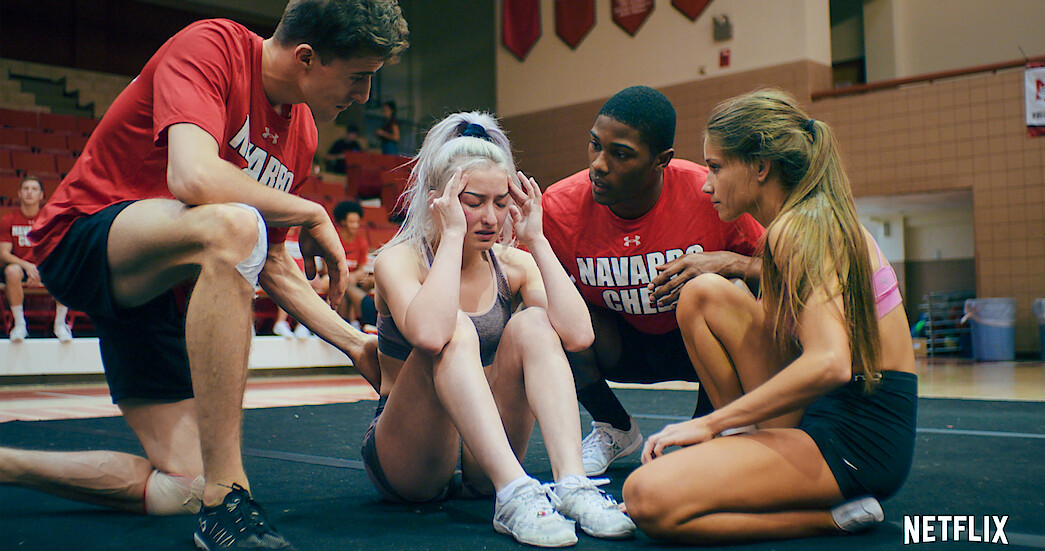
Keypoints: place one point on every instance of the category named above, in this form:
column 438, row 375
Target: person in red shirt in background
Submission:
column 321, row 283
column 347, row 218
column 193, row 176
column 358, row 301
column 631, row 230
column 19, row 272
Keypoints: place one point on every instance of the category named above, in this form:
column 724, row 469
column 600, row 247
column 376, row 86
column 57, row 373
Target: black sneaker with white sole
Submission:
column 238, row 523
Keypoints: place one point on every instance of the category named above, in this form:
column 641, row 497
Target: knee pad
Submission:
column 172, row 494
column 250, row 267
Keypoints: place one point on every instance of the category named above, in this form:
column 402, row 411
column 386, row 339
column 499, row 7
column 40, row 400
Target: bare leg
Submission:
column 106, row 478
column 155, row 244
column 728, row 341
column 114, row 479
column 531, row 377
column 769, row 484
column 13, row 278
column 434, row 400
column 281, row 315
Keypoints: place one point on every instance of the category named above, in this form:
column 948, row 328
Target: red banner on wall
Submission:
column 690, row 8
column 631, row 14
column 1034, row 79
column 520, row 25
column 573, row 20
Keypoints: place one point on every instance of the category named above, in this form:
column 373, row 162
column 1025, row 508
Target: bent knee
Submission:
column 229, row 232
column 705, row 293
column 646, row 495
column 13, row 273
column 531, row 323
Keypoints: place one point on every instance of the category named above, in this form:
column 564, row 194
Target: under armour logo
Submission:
column 269, row 134
column 631, row 241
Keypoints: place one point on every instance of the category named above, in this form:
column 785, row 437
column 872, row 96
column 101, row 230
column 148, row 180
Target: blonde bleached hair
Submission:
column 820, row 234
column 445, row 149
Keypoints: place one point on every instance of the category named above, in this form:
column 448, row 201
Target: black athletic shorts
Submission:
column 646, row 358
column 143, row 348
column 376, row 474
column 867, row 439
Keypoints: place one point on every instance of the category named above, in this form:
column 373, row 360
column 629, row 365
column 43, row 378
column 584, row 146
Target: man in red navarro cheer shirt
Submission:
column 631, row 230
column 192, row 176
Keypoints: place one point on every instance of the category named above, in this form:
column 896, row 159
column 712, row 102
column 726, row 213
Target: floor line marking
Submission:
column 925, row 430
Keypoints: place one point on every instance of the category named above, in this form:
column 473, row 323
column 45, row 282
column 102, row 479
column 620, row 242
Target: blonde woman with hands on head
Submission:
column 461, row 361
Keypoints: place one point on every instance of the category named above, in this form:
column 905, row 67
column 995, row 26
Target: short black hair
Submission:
column 647, row 111
column 344, row 29
column 344, row 208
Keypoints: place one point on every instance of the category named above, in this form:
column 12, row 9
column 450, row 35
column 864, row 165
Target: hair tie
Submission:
column 809, row 125
column 476, row 131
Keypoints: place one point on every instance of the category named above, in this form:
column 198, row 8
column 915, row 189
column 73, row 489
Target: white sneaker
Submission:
column 858, row 515
column 63, row 332
column 605, row 444
column 282, row 329
column 302, row 332
column 18, row 333
column 594, row 511
column 530, row 517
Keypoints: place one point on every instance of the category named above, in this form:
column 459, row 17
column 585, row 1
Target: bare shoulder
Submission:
column 777, row 234
column 398, row 259
column 516, row 263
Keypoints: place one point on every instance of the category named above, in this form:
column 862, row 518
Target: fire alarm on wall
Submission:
column 723, row 57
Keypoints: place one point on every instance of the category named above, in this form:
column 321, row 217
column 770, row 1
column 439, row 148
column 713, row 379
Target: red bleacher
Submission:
column 42, row 144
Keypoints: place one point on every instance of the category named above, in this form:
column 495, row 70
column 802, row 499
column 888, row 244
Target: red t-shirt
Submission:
column 14, row 228
column 209, row 74
column 355, row 251
column 612, row 259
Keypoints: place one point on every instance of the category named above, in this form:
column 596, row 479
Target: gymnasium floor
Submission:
column 980, row 443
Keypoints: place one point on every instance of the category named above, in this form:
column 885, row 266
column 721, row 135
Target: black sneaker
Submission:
column 238, row 523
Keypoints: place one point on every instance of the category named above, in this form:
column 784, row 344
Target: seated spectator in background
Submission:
column 348, row 218
column 351, row 141
column 389, row 132
column 18, row 271
column 321, row 283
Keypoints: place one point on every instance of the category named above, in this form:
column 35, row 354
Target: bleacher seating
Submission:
column 38, row 307
column 14, row 139
column 14, row 118
column 42, row 144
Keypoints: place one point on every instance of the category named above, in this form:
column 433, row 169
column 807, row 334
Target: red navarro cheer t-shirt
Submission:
column 209, row 74
column 612, row 259
column 14, row 227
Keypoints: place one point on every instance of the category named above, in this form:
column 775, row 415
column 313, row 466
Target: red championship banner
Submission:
column 631, row 14
column 520, row 25
column 1034, row 77
column 573, row 20
column 690, row 8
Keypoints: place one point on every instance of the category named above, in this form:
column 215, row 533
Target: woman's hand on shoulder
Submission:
column 686, row 433
column 526, row 213
column 446, row 209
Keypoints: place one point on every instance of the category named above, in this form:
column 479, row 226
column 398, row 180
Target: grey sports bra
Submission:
column 489, row 325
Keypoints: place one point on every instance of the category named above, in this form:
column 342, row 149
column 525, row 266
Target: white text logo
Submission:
column 929, row 528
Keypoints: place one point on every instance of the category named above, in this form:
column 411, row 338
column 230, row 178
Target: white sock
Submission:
column 504, row 494
column 19, row 315
column 60, row 313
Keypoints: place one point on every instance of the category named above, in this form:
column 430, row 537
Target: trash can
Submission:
column 1039, row 312
column 993, row 328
